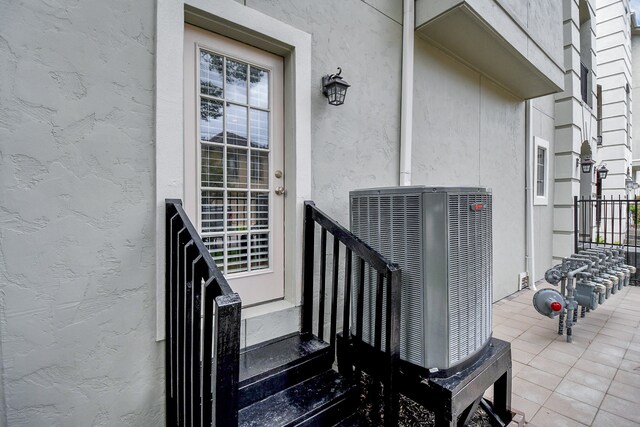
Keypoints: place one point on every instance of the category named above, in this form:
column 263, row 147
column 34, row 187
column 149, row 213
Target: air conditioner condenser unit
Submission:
column 441, row 237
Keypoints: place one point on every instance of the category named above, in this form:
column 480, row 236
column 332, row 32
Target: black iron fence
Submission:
column 202, row 330
column 608, row 222
column 360, row 256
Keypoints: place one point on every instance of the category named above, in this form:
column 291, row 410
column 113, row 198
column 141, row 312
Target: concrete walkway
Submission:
column 593, row 381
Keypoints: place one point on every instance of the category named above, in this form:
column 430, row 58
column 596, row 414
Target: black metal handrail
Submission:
column 388, row 279
column 608, row 221
column 202, row 330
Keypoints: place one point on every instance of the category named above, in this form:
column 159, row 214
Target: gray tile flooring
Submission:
column 593, row 381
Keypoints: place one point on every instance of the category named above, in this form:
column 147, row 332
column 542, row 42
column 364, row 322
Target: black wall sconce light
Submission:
column 602, row 172
column 335, row 88
column 585, row 164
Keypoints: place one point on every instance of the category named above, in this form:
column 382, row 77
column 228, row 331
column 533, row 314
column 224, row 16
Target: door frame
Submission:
column 236, row 21
column 247, row 284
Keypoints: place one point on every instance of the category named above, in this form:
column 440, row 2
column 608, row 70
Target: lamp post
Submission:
column 628, row 185
column 601, row 173
column 586, row 165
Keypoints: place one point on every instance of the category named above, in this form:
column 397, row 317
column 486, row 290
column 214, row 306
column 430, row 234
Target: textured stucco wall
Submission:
column 468, row 131
column 543, row 126
column 574, row 123
column 355, row 145
column 614, row 74
column 635, row 71
column 77, row 285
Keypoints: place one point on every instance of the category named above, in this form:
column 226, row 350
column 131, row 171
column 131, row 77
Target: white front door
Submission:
column 234, row 159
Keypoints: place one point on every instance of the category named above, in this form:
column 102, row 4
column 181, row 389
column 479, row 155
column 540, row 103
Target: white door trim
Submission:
column 231, row 19
column 265, row 284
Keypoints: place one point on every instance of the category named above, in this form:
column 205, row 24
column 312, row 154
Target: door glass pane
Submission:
column 215, row 244
column 212, row 211
column 211, row 70
column 259, row 251
column 236, row 81
column 237, row 253
column 237, row 211
column 259, row 88
column 259, row 211
column 212, row 165
column 237, row 167
column 235, row 162
column 260, row 170
column 259, row 128
column 211, row 120
column 236, row 125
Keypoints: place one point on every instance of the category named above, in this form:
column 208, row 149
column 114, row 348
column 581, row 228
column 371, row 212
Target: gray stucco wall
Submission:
column 468, row 131
column 543, row 126
column 77, row 246
column 77, row 280
column 355, row 145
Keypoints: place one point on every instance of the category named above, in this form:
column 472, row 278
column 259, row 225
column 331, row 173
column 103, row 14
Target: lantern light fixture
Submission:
column 335, row 88
column 602, row 172
column 628, row 183
column 586, row 164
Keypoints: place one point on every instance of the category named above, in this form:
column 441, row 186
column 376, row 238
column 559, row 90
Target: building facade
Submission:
column 112, row 107
column 615, row 86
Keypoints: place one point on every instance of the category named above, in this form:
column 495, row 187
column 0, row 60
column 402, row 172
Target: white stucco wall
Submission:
column 614, row 74
column 77, row 285
column 575, row 122
column 468, row 131
column 635, row 84
column 543, row 126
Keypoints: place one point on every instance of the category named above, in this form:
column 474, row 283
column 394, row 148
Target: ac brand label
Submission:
column 476, row 207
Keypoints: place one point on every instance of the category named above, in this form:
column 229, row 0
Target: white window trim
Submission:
column 231, row 19
column 541, row 143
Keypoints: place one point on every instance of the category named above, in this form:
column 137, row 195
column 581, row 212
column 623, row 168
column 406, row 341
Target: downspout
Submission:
column 406, row 97
column 529, row 255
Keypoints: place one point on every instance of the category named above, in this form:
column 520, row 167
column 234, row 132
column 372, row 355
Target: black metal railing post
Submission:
column 307, row 268
column 227, row 359
column 576, row 226
column 392, row 398
column 202, row 314
column 387, row 286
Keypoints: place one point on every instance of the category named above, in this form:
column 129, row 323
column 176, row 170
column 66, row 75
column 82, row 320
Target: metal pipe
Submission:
column 571, row 302
column 529, row 223
column 406, row 98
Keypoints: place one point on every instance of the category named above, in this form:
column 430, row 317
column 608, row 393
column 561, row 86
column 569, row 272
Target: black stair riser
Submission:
column 332, row 414
column 322, row 400
column 255, row 391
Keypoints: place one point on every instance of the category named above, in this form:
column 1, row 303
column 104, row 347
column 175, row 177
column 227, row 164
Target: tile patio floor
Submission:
column 593, row 381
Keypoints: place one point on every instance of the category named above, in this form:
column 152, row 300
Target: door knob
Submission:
column 280, row 191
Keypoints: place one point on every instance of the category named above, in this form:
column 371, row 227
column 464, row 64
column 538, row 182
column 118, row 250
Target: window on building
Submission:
column 584, row 83
column 541, row 171
column 599, row 113
column 541, row 165
column 586, row 53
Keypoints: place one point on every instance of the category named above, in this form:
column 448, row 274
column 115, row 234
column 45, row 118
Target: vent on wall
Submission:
column 523, row 281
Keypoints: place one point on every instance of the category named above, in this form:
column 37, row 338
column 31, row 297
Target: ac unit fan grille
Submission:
column 400, row 242
column 470, row 273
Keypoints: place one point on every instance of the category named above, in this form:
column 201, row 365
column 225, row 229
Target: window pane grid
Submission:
column 235, row 163
column 541, row 163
